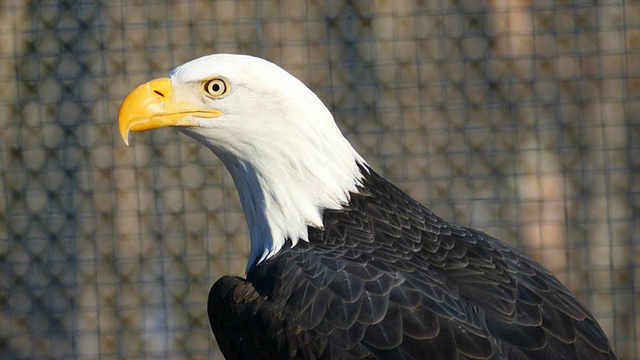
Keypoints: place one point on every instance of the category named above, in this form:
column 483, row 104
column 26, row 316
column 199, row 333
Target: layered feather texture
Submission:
column 388, row 279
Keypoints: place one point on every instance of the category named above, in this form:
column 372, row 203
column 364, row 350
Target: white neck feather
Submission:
column 284, row 193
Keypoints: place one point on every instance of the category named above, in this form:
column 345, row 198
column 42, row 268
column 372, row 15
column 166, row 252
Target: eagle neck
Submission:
column 283, row 194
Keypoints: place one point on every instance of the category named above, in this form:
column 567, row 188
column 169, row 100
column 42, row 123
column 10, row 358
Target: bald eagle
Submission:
column 343, row 264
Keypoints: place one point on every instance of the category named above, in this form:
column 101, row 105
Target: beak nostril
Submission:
column 158, row 92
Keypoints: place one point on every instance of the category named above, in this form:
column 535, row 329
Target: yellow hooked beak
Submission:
column 151, row 106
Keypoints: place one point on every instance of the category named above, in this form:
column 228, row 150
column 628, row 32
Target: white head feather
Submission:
column 287, row 157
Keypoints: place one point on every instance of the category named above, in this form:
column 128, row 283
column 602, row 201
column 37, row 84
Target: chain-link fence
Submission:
column 518, row 117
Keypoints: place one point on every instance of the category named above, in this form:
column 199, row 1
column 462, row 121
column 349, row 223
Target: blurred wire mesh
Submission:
column 519, row 118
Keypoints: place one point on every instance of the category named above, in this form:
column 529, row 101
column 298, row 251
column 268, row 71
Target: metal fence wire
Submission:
column 519, row 118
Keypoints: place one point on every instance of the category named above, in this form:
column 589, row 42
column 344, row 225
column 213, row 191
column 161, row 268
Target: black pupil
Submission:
column 215, row 87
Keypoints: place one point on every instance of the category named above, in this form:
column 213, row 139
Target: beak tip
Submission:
column 124, row 134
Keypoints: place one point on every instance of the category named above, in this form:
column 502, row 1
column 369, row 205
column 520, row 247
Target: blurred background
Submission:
column 516, row 117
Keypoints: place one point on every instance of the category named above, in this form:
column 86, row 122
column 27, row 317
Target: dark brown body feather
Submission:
column 388, row 279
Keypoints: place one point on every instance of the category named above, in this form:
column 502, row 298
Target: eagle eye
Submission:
column 215, row 88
